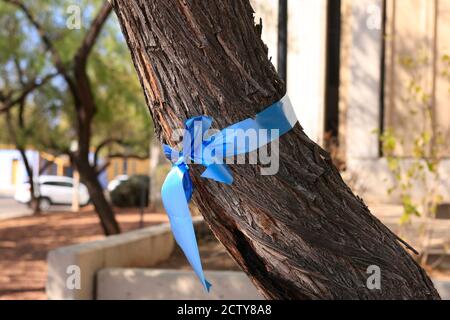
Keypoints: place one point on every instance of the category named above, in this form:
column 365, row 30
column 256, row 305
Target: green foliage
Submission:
column 427, row 142
column 49, row 112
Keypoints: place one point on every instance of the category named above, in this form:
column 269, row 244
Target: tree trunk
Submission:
column 34, row 201
column 300, row 234
column 88, row 172
column 104, row 210
column 86, row 109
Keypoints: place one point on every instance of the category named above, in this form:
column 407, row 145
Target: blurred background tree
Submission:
column 66, row 84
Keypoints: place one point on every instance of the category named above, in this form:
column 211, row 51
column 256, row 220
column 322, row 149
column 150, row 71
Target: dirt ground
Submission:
column 213, row 255
column 24, row 243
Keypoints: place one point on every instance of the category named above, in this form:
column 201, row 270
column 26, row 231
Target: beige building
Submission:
column 361, row 68
column 127, row 166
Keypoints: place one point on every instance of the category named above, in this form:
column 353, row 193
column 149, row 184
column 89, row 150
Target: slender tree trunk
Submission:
column 300, row 234
column 34, row 200
column 86, row 109
column 89, row 177
column 88, row 172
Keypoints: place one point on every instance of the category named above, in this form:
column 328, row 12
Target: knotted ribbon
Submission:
column 211, row 151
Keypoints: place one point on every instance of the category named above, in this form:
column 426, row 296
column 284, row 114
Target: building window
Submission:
column 333, row 57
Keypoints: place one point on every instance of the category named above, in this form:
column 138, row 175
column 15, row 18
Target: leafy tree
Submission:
column 92, row 99
column 16, row 86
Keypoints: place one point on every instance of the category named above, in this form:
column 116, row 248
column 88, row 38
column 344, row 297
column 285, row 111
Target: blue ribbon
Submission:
column 210, row 151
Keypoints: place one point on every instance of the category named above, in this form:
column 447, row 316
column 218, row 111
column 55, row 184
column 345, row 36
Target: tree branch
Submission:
column 102, row 145
column 105, row 166
column 8, row 103
column 57, row 61
column 20, row 72
column 47, row 164
column 43, row 35
column 91, row 36
column 80, row 61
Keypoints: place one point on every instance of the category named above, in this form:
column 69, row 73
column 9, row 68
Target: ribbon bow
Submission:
column 210, row 151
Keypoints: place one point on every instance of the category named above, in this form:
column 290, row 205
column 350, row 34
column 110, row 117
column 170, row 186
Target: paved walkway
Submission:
column 25, row 241
column 413, row 233
column 9, row 208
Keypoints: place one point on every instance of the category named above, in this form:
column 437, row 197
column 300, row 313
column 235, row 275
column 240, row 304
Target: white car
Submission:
column 52, row 190
column 117, row 181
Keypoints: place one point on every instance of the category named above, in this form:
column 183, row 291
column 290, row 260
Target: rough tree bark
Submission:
column 300, row 234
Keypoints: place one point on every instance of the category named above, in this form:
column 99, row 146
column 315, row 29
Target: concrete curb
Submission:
column 141, row 248
column 163, row 284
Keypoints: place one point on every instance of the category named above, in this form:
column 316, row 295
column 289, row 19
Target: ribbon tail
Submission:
column 219, row 173
column 176, row 205
column 207, row 285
